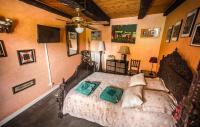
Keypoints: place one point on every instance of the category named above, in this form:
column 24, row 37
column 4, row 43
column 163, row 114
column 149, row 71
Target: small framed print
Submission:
column 195, row 41
column 176, row 31
column 2, row 49
column 189, row 23
column 23, row 86
column 95, row 35
column 26, row 56
column 169, row 34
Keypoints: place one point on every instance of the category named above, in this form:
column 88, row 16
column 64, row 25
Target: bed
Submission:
column 173, row 70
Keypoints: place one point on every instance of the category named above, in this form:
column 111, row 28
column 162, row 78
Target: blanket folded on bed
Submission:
column 87, row 87
column 112, row 94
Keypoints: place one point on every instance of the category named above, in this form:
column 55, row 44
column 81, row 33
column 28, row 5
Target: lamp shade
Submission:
column 124, row 50
column 153, row 60
column 101, row 46
column 79, row 29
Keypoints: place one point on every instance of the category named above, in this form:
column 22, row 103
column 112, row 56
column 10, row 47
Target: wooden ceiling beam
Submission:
column 89, row 8
column 144, row 6
column 46, row 7
column 173, row 6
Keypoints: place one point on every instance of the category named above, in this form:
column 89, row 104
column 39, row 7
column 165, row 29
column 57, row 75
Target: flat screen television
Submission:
column 47, row 34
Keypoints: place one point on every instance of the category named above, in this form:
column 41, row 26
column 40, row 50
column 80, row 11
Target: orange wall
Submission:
column 143, row 49
column 190, row 53
column 25, row 37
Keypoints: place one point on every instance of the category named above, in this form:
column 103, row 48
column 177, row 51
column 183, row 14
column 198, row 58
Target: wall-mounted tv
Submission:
column 47, row 34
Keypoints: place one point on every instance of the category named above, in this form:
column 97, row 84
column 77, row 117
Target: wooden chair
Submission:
column 134, row 67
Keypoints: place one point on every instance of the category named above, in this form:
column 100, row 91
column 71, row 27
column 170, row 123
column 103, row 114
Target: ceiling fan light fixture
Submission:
column 79, row 29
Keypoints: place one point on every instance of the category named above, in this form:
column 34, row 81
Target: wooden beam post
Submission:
column 144, row 6
column 173, row 6
column 46, row 7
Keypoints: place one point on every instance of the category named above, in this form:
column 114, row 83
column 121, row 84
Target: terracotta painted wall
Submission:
column 143, row 49
column 190, row 53
column 25, row 37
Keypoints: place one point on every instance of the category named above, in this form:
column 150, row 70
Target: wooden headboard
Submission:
column 176, row 74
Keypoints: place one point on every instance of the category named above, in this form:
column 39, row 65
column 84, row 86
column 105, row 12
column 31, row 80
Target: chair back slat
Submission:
column 134, row 66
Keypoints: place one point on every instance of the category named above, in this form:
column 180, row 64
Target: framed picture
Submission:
column 26, row 56
column 23, row 86
column 95, row 35
column 3, row 52
column 176, row 31
column 196, row 36
column 151, row 32
column 189, row 23
column 124, row 33
column 169, row 34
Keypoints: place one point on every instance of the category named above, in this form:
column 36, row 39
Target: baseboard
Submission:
column 8, row 118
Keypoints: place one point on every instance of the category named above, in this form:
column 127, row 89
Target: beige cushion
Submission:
column 137, row 79
column 132, row 97
column 155, row 84
column 158, row 101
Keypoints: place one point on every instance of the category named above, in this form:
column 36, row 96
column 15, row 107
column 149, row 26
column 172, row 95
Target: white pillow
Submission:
column 158, row 101
column 155, row 84
column 132, row 97
column 137, row 79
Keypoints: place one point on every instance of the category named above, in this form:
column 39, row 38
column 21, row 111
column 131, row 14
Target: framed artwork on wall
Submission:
column 169, row 34
column 95, row 35
column 3, row 52
column 124, row 33
column 151, row 32
column 195, row 41
column 189, row 23
column 23, row 86
column 176, row 31
column 26, row 56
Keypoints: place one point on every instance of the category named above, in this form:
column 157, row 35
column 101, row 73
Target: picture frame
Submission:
column 124, row 33
column 95, row 35
column 26, row 56
column 3, row 52
column 23, row 86
column 151, row 32
column 195, row 41
column 189, row 23
column 169, row 34
column 176, row 31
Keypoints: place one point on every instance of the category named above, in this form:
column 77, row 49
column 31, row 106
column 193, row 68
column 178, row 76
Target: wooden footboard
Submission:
column 82, row 71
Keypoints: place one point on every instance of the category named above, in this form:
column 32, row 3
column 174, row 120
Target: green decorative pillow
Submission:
column 111, row 94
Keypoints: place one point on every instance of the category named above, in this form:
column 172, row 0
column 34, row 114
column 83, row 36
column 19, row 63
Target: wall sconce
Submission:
column 6, row 25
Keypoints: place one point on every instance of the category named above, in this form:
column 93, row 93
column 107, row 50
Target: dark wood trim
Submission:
column 144, row 6
column 90, row 9
column 46, row 7
column 173, row 6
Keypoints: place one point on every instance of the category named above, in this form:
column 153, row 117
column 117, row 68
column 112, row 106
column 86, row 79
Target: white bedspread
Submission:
column 94, row 109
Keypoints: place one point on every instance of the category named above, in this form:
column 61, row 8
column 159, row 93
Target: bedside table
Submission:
column 148, row 74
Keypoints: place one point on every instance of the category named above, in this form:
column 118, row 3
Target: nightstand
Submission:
column 148, row 74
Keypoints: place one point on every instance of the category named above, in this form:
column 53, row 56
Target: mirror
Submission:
column 72, row 41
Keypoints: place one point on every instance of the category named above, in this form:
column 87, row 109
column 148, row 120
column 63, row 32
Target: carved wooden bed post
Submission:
column 86, row 68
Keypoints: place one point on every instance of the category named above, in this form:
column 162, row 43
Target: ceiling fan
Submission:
column 80, row 23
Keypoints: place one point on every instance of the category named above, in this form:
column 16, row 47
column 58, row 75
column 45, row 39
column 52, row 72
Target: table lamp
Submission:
column 152, row 60
column 124, row 50
column 101, row 49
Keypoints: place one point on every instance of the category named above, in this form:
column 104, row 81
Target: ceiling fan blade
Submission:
column 98, row 22
column 89, row 27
